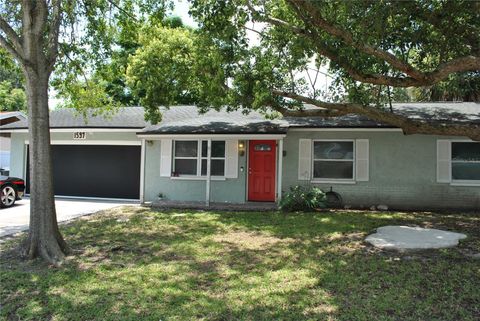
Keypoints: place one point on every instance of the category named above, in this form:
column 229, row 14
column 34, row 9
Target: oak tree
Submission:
column 373, row 49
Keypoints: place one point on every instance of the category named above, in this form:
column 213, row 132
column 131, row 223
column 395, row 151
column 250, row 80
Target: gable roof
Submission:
column 187, row 119
column 7, row 117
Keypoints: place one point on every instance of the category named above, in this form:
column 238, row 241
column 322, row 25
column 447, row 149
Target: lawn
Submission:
column 138, row 264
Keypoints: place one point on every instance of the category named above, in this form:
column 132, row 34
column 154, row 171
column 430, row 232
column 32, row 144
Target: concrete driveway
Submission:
column 16, row 218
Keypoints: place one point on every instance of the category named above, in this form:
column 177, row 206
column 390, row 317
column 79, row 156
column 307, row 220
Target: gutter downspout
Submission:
column 142, row 172
column 209, row 176
column 280, row 170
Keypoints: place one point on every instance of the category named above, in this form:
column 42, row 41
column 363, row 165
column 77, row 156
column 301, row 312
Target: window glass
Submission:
column 333, row 169
column 262, row 148
column 204, row 148
column 218, row 148
column 466, row 171
column 466, row 151
column 186, row 148
column 217, row 167
column 466, row 161
column 333, row 150
column 185, row 166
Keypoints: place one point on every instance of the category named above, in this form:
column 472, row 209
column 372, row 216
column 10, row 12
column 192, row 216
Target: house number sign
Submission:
column 79, row 135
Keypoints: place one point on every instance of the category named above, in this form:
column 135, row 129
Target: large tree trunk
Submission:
column 44, row 239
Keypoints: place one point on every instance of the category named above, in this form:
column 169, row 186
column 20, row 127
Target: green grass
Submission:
column 136, row 264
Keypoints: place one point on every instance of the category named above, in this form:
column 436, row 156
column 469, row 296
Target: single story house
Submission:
column 237, row 158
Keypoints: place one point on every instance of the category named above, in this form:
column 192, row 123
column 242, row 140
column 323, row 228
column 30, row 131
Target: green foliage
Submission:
column 303, row 198
column 12, row 93
column 97, row 39
column 88, row 98
column 160, row 71
column 12, row 99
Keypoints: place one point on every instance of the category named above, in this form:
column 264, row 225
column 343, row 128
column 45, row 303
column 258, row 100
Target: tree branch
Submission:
column 12, row 36
column 408, row 125
column 9, row 47
column 462, row 64
column 348, row 38
column 52, row 43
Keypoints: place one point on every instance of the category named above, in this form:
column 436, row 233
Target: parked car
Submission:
column 11, row 189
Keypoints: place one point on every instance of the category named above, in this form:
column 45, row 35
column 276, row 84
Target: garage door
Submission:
column 96, row 171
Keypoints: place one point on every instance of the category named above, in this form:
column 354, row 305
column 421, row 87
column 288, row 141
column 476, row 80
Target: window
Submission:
column 333, row 160
column 191, row 160
column 466, row 161
column 263, row 148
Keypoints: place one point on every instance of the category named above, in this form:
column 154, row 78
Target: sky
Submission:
column 181, row 10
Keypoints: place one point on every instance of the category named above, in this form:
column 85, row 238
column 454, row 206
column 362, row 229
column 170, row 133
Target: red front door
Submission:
column 261, row 170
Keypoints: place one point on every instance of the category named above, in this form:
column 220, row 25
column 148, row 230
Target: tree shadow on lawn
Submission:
column 223, row 266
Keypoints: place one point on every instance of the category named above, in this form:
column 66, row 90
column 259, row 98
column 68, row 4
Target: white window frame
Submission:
column 199, row 159
column 462, row 182
column 334, row 180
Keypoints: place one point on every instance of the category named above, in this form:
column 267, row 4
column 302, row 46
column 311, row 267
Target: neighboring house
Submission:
column 7, row 118
column 254, row 159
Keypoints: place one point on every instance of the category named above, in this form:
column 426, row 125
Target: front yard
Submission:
column 138, row 264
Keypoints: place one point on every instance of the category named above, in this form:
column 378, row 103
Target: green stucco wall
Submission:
column 229, row 190
column 402, row 172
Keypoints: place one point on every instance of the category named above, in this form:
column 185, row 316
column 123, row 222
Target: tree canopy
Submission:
column 12, row 92
column 373, row 49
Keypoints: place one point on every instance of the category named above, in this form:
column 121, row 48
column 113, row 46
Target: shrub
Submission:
column 303, row 198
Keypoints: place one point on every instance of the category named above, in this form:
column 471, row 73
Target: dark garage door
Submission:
column 96, row 171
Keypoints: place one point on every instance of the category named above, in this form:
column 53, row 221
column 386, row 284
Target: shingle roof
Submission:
column 127, row 117
column 441, row 112
column 187, row 119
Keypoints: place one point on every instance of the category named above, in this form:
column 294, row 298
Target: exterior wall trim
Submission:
column 79, row 129
column 94, row 142
column 212, row 136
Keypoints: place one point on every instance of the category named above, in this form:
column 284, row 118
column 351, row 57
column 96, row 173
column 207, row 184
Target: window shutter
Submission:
column 444, row 154
column 304, row 159
column 231, row 158
column 361, row 160
column 166, row 157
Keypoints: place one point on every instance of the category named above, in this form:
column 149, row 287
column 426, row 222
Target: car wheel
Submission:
column 8, row 195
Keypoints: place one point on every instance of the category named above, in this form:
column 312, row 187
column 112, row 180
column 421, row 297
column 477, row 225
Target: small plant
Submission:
column 303, row 198
column 160, row 195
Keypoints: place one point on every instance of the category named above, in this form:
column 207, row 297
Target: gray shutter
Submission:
column 304, row 159
column 444, row 156
column 231, row 158
column 361, row 160
column 166, row 157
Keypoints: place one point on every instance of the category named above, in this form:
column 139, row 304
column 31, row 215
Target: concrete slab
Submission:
column 413, row 238
column 16, row 218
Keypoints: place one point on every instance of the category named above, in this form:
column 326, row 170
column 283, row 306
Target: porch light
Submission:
column 241, row 147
